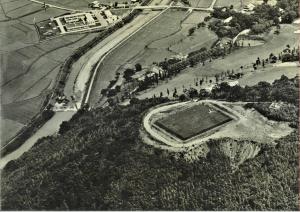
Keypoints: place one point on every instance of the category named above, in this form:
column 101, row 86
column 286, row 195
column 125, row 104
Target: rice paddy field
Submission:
column 28, row 67
column 192, row 121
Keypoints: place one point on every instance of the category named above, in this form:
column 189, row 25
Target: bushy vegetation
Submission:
column 277, row 111
column 263, row 17
column 291, row 8
column 284, row 89
column 238, row 23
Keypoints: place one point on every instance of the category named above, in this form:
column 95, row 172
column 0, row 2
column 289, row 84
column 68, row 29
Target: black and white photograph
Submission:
column 149, row 105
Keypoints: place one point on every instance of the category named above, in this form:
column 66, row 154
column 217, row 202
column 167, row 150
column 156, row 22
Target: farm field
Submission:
column 153, row 43
column 192, row 121
column 225, row 3
column 200, row 3
column 9, row 129
column 29, row 67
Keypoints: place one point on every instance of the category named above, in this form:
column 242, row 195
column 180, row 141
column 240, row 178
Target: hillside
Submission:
column 98, row 162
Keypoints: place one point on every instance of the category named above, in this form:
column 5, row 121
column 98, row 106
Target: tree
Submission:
column 128, row 73
column 191, row 31
column 182, row 97
column 288, row 17
column 64, row 127
column 138, row 67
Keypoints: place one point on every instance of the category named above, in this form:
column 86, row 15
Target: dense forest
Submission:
column 98, row 162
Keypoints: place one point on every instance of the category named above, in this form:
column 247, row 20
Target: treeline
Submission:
column 283, row 94
column 98, row 162
column 291, row 8
column 173, row 66
column 282, row 90
column 277, row 111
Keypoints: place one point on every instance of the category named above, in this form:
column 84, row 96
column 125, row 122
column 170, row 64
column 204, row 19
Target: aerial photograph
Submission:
column 149, row 105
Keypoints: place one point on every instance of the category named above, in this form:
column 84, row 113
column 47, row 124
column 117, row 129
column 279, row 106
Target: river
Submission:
column 49, row 128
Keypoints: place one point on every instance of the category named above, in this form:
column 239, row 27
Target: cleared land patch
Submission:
column 192, row 121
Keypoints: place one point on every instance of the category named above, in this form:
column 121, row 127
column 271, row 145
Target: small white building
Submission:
column 249, row 7
column 227, row 20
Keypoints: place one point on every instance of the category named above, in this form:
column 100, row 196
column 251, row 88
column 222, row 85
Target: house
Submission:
column 156, row 69
column 249, row 7
column 227, row 20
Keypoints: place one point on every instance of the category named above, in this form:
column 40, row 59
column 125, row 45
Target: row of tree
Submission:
column 284, row 90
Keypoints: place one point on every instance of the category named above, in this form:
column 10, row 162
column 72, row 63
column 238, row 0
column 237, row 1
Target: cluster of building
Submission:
column 147, row 72
column 116, row 5
column 248, row 8
column 85, row 21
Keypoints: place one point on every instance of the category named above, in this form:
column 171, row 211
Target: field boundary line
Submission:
column 55, row 6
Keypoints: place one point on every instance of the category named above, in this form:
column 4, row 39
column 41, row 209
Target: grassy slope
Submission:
column 133, row 50
column 245, row 56
column 166, row 31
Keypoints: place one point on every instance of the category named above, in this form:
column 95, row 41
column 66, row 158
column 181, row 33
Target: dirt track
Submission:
column 249, row 125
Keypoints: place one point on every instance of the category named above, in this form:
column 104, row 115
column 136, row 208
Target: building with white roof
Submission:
column 85, row 21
